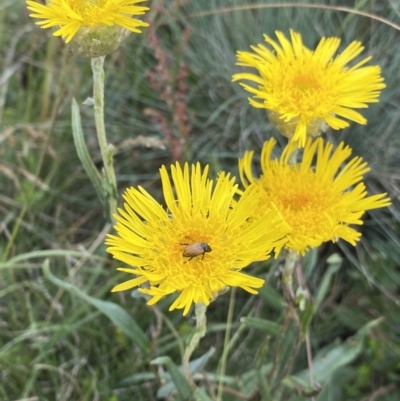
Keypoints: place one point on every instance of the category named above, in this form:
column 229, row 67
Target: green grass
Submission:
column 56, row 343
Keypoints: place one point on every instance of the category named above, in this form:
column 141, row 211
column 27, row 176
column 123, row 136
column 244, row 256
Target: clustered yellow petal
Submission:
column 305, row 91
column 72, row 15
column 319, row 197
column 153, row 241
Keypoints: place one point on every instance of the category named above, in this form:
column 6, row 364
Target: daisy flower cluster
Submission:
column 206, row 233
column 210, row 231
column 204, row 239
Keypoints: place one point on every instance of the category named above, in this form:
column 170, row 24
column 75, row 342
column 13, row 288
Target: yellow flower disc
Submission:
column 308, row 90
column 319, row 201
column 155, row 242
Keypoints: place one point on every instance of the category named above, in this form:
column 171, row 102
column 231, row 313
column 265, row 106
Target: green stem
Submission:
column 107, row 151
column 201, row 320
column 226, row 343
column 287, row 274
column 291, row 314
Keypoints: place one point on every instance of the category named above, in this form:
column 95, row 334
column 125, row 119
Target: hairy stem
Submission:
column 201, row 320
column 107, row 151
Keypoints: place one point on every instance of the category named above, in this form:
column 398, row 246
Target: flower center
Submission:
column 297, row 201
column 304, row 200
column 81, row 5
column 305, row 83
column 193, row 249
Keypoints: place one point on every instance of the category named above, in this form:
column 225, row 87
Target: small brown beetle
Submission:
column 196, row 249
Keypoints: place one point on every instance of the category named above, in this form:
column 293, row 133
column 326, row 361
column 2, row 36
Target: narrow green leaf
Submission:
column 352, row 318
column 345, row 377
column 328, row 360
column 139, row 377
column 263, row 385
column 310, row 261
column 194, row 366
column 181, row 383
column 335, row 262
column 113, row 311
column 367, row 327
column 262, row 324
column 255, row 379
column 83, row 152
column 201, row 395
column 199, row 363
column 301, row 387
column 272, row 297
column 29, row 256
column 306, row 316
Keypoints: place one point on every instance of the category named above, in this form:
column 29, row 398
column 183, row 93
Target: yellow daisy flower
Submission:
column 200, row 245
column 304, row 90
column 89, row 15
column 319, row 202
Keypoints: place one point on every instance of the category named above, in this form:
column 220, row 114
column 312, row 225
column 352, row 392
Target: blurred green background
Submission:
column 169, row 97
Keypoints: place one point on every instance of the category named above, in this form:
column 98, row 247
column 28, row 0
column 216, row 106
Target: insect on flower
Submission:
column 196, row 249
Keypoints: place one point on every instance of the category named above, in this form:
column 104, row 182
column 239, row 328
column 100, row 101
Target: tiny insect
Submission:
column 196, row 249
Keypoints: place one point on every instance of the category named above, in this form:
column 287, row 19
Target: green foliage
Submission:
column 63, row 335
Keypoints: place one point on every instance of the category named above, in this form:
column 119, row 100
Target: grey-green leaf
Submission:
column 83, row 153
column 334, row 262
column 194, row 366
column 262, row 324
column 181, row 383
column 201, row 395
column 330, row 359
column 272, row 297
